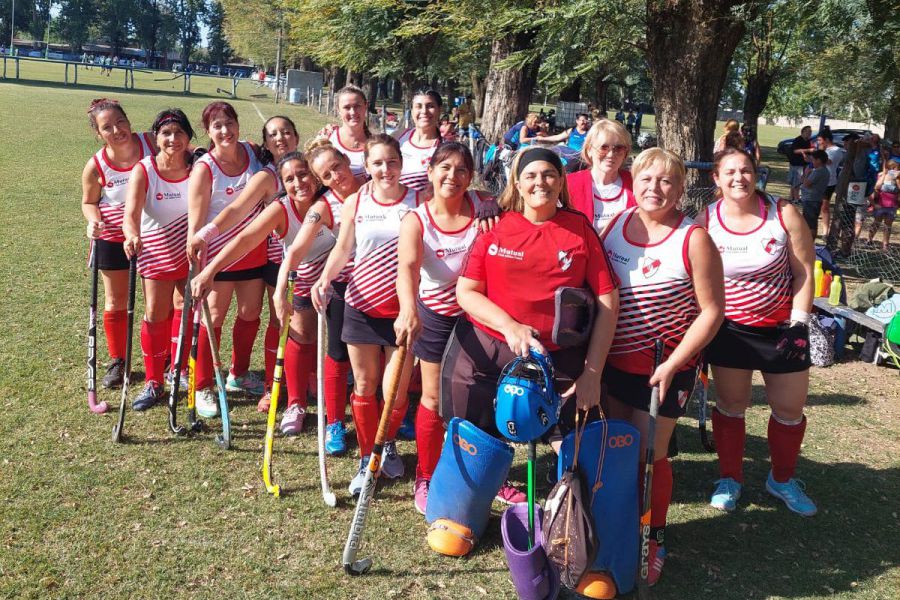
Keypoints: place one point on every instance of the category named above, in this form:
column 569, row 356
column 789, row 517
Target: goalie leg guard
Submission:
column 532, row 575
column 472, row 467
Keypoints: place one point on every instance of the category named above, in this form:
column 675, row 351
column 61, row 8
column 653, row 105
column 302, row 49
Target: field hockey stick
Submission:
column 129, row 334
column 179, row 356
column 223, row 440
column 196, row 424
column 361, row 566
column 102, row 407
column 702, row 406
column 277, row 377
column 327, row 495
column 532, row 452
column 649, row 455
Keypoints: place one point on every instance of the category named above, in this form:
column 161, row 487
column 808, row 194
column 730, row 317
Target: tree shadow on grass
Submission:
column 119, row 88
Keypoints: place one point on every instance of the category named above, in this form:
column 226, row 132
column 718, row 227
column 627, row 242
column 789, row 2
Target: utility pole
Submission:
column 278, row 59
column 12, row 31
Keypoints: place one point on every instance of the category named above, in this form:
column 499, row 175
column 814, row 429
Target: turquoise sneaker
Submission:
column 727, row 493
column 335, row 439
column 248, row 383
column 793, row 493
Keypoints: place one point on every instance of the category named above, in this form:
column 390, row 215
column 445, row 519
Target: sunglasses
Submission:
column 617, row 149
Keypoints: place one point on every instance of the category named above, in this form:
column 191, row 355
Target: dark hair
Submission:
column 98, row 105
column 447, row 149
column 265, row 157
column 734, row 140
column 585, row 115
column 172, row 115
column 721, row 155
column 352, row 89
column 431, row 94
column 820, row 155
column 825, row 134
column 385, row 139
column 288, row 158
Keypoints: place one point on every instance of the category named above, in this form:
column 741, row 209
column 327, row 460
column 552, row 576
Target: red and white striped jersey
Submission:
column 164, row 224
column 444, row 257
column 372, row 288
column 274, row 249
column 415, row 161
column 357, row 157
column 114, row 188
column 656, row 295
column 609, row 200
column 336, row 205
column 758, row 278
column 311, row 265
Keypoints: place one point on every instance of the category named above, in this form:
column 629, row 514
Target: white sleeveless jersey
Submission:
column 415, row 161
column 656, row 293
column 372, row 288
column 164, row 223
column 609, row 200
column 225, row 190
column 274, row 250
column 114, row 188
column 311, row 265
column 336, row 205
column 357, row 157
column 444, row 256
column 758, row 279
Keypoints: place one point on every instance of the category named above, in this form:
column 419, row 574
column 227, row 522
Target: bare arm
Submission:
column 261, row 186
column 90, row 199
column 472, row 298
column 553, row 139
column 411, row 251
column 802, row 255
column 199, row 192
column 523, row 136
column 134, row 205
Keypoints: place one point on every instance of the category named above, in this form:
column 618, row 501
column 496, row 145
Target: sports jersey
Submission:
column 336, row 205
column 444, row 255
column 600, row 203
column 312, row 263
column 357, row 157
column 113, row 189
column 522, row 265
column 576, row 140
column 757, row 270
column 415, row 161
column 274, row 250
column 226, row 189
column 656, row 293
column 164, row 223
column 372, row 288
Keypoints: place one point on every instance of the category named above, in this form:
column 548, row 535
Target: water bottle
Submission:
column 819, row 276
column 834, row 294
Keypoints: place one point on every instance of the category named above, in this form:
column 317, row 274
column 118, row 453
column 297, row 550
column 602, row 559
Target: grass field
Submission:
column 159, row 516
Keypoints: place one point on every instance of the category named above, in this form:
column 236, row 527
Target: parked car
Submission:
column 784, row 146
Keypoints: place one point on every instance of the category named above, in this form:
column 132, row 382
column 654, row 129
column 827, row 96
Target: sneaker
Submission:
column 356, row 483
column 264, row 403
column 115, row 373
column 207, row 403
column 420, row 494
column 657, row 560
column 391, row 464
column 149, row 396
column 510, row 495
column 292, row 421
column 407, row 429
column 182, row 380
column 793, row 493
column 248, row 383
column 727, row 493
column 335, row 439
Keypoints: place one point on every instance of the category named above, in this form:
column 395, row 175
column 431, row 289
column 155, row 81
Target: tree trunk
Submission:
column 397, row 91
column 572, row 92
column 372, row 93
column 507, row 92
column 892, row 124
column 409, row 88
column 338, row 79
column 478, row 94
column 759, row 85
column 690, row 45
column 601, row 87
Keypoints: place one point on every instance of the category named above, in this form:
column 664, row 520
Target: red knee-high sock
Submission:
column 729, row 434
column 204, row 358
column 784, row 447
column 155, row 348
column 335, row 388
column 365, row 416
column 661, row 494
column 270, row 352
column 299, row 360
column 429, row 441
column 397, row 413
column 115, row 325
column 243, row 337
column 186, row 345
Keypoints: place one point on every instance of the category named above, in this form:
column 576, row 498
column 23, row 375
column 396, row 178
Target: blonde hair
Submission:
column 511, row 199
column 612, row 129
column 532, row 115
column 670, row 161
column 316, row 147
column 732, row 126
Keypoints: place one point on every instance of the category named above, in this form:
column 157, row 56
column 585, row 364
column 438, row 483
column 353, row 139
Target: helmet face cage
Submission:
column 526, row 404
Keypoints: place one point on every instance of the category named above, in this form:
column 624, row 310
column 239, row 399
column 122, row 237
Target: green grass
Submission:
column 167, row 517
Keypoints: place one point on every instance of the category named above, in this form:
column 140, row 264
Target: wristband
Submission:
column 800, row 316
column 208, row 232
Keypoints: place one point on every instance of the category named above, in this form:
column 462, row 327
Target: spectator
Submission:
column 894, row 152
column 836, row 155
column 875, row 161
column 448, row 131
column 620, row 116
column 797, row 159
column 886, row 202
column 637, row 122
column 751, row 146
column 466, row 113
column 812, row 189
column 731, row 126
column 733, row 139
column 629, row 122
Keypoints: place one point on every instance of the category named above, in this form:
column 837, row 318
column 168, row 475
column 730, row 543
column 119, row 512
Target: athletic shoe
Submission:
column 292, row 421
column 207, row 403
column 793, row 493
column 356, row 483
column 727, row 493
column 407, row 429
column 182, row 380
column 657, row 560
column 420, row 494
column 149, row 396
column 248, row 383
column 115, row 373
column 335, row 439
column 391, row 465
column 264, row 403
column 510, row 495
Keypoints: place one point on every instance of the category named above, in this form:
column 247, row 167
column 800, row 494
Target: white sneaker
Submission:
column 391, row 464
column 207, row 403
column 292, row 421
column 356, row 483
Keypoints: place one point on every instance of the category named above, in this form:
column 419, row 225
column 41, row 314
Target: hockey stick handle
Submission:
column 129, row 342
column 224, row 440
column 649, row 457
column 102, row 407
column 277, row 378
column 179, row 354
column 327, row 494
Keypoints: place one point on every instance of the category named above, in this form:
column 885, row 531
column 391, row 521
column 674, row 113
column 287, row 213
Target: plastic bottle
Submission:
column 819, row 275
column 834, row 294
column 826, row 283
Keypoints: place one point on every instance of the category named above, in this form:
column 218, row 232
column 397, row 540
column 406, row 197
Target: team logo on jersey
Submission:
column 770, row 245
column 110, row 185
column 229, row 190
column 440, row 253
column 492, row 249
column 649, row 266
column 159, row 196
column 721, row 249
column 495, row 250
column 565, row 260
column 682, row 398
column 617, row 258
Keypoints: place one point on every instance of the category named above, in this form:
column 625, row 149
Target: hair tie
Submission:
column 97, row 101
column 536, row 154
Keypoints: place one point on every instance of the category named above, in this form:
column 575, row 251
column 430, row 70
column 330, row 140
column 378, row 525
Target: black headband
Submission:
column 169, row 118
column 535, row 154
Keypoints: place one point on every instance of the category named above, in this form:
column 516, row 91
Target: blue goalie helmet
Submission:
column 527, row 405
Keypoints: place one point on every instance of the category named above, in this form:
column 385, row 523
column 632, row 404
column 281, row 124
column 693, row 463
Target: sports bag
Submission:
column 821, row 344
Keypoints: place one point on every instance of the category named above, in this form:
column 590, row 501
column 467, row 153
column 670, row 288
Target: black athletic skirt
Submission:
column 110, row 255
column 270, row 273
column 243, row 275
column 334, row 316
column 360, row 328
column 739, row 346
column 436, row 330
column 634, row 390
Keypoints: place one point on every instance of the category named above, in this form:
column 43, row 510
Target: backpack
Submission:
column 890, row 345
column 821, row 344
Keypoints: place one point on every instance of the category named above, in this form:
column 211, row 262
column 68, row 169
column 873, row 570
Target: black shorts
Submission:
column 334, row 316
column 634, row 390
column 244, row 275
column 110, row 255
column 739, row 346
column 302, row 303
column 270, row 273
column 436, row 330
column 360, row 328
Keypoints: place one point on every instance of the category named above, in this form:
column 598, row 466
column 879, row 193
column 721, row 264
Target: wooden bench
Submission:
column 854, row 316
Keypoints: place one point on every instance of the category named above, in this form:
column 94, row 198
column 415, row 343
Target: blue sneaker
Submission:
column 248, row 383
column 149, row 396
column 335, row 439
column 793, row 493
column 727, row 493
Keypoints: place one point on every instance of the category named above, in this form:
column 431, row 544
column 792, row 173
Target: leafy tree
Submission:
column 23, row 16
column 219, row 50
column 251, row 28
column 186, row 15
column 115, row 22
column 75, row 20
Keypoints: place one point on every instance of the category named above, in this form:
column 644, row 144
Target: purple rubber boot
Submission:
column 532, row 575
